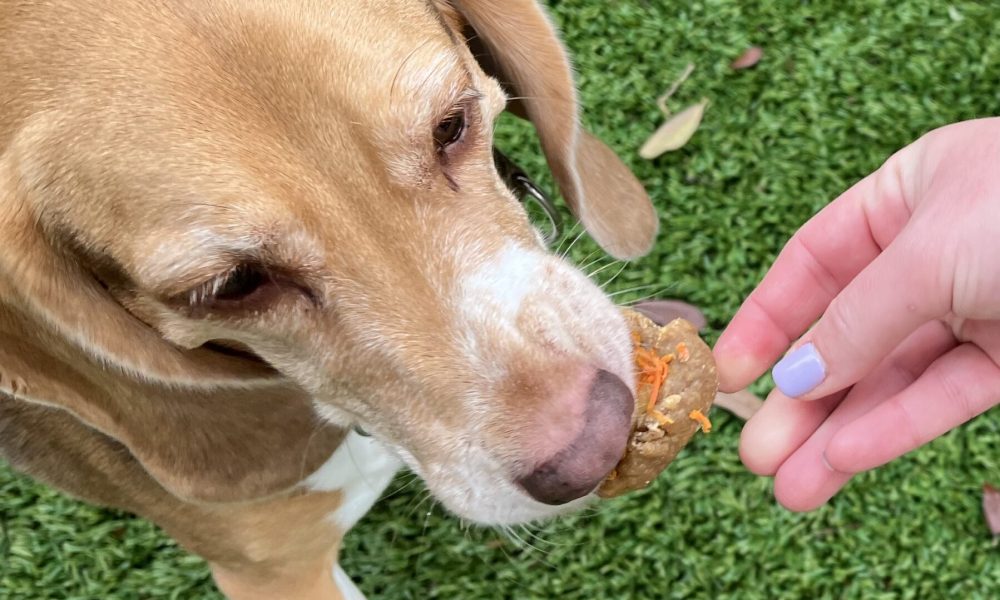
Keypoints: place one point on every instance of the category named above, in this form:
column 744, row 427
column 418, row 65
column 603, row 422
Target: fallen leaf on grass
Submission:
column 743, row 404
column 662, row 312
column 675, row 132
column 991, row 508
column 749, row 58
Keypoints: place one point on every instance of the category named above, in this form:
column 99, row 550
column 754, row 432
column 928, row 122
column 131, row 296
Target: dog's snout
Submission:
column 580, row 466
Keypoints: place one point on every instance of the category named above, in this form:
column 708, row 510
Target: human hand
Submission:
column 902, row 272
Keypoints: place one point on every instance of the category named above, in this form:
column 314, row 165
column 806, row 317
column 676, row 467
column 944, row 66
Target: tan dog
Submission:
column 232, row 230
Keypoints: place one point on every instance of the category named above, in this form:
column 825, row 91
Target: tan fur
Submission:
column 612, row 204
column 272, row 544
column 147, row 149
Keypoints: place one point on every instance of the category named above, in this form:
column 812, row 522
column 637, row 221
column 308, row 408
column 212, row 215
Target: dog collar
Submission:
column 525, row 190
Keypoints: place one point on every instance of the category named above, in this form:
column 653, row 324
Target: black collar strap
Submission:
column 525, row 190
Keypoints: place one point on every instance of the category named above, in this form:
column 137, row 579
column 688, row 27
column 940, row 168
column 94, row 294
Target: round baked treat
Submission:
column 677, row 383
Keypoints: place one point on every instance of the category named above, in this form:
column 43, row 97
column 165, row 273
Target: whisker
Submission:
column 392, row 86
column 526, row 543
column 305, row 452
column 633, row 289
column 591, row 263
column 424, row 497
column 521, row 542
column 565, row 252
column 615, row 276
column 558, row 528
column 550, row 98
column 607, row 266
column 658, row 293
column 502, row 546
column 403, row 487
column 427, row 518
column 526, row 529
column 591, row 511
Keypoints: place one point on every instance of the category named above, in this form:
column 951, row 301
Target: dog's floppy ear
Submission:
column 525, row 54
column 207, row 426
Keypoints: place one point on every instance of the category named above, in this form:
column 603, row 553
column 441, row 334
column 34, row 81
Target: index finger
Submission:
column 829, row 251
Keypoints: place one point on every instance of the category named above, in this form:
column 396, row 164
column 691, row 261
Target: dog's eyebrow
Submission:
column 437, row 73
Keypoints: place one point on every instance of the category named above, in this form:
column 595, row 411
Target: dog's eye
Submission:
column 450, row 129
column 247, row 288
column 241, row 283
column 235, row 289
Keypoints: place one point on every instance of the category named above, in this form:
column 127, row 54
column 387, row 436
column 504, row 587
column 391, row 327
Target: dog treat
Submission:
column 676, row 388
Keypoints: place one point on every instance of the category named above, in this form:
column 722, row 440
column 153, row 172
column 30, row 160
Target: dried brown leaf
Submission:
column 675, row 132
column 749, row 58
column 743, row 404
column 991, row 508
column 662, row 312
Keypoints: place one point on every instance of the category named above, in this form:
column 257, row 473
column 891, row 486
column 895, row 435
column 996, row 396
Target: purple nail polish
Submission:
column 799, row 372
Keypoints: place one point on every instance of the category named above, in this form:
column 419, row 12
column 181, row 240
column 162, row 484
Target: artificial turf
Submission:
column 841, row 86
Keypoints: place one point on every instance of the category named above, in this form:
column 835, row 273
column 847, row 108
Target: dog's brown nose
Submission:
column 579, row 467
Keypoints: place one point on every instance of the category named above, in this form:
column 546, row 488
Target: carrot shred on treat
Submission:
column 697, row 415
column 646, row 360
column 661, row 418
column 653, row 393
column 682, row 352
column 653, row 370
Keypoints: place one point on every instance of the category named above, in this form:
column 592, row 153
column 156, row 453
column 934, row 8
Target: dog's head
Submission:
column 190, row 189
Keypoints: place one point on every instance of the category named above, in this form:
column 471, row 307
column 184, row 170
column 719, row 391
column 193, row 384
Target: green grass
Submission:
column 841, row 86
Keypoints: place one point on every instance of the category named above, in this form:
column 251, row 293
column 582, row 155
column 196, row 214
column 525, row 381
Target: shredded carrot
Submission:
column 682, row 352
column 654, row 392
column 653, row 370
column 661, row 418
column 697, row 415
column 646, row 360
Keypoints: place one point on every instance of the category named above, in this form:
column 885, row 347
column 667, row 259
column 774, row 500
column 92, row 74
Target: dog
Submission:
column 257, row 257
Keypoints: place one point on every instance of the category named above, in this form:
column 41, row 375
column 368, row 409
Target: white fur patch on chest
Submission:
column 360, row 469
column 347, row 588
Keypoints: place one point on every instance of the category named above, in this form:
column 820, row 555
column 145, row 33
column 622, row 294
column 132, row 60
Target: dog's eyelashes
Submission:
column 241, row 282
column 249, row 287
column 245, row 286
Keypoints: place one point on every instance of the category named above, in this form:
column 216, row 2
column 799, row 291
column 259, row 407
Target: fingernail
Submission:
column 799, row 372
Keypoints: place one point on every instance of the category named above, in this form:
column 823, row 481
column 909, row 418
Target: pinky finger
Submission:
column 960, row 385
